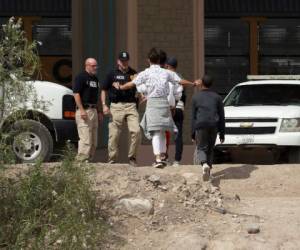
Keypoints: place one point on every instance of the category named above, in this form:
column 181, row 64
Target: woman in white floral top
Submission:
column 153, row 82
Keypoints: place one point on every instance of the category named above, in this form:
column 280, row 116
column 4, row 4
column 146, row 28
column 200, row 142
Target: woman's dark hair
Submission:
column 207, row 81
column 153, row 56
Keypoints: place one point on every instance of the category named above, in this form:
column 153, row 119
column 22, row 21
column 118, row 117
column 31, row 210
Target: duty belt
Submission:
column 91, row 106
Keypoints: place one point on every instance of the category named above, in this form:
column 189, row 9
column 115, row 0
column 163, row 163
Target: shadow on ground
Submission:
column 241, row 172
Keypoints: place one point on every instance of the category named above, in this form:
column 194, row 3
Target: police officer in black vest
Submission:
column 123, row 107
column 86, row 93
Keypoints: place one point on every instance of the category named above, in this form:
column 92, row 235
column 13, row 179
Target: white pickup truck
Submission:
column 264, row 114
column 39, row 132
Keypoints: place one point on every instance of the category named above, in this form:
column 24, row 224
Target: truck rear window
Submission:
column 264, row 94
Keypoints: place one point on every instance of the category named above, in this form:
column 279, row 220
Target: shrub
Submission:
column 52, row 209
column 19, row 66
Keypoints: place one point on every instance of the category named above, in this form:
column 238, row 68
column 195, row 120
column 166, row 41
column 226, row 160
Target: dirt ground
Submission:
column 173, row 209
column 186, row 213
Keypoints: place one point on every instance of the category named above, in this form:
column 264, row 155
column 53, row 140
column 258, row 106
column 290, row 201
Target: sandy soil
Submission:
column 190, row 214
column 174, row 209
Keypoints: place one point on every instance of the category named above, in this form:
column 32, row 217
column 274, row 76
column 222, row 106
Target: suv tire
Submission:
column 32, row 141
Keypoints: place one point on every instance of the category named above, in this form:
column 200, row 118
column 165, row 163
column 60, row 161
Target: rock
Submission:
column 136, row 205
column 253, row 229
column 154, row 179
column 186, row 193
column 237, row 197
column 220, row 210
column 163, row 188
column 214, row 189
column 154, row 222
column 219, row 202
column 191, row 178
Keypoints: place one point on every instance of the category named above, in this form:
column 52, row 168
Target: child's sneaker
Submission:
column 206, row 172
column 158, row 164
column 176, row 164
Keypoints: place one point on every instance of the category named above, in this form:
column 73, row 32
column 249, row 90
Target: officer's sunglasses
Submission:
column 94, row 65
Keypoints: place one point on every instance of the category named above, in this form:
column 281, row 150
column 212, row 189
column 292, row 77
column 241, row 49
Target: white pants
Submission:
column 159, row 142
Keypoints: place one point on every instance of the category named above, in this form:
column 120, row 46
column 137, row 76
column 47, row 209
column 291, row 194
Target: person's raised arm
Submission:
column 138, row 80
column 184, row 82
column 175, row 78
column 128, row 85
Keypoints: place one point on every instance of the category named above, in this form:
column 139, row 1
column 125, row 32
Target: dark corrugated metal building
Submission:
column 251, row 37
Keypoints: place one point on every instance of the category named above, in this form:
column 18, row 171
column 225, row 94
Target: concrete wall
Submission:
column 168, row 25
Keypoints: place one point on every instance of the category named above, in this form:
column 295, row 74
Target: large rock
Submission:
column 136, row 205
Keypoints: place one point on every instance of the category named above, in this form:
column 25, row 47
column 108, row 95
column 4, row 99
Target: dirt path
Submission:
column 273, row 194
column 186, row 213
column 173, row 209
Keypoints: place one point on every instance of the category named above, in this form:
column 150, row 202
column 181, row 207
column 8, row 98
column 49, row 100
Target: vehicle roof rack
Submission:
column 273, row 77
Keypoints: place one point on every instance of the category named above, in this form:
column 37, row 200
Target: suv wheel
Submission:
column 32, row 141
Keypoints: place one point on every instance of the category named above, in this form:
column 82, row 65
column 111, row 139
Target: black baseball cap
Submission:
column 172, row 61
column 123, row 56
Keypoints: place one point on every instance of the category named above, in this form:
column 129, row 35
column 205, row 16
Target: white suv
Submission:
column 37, row 132
column 264, row 114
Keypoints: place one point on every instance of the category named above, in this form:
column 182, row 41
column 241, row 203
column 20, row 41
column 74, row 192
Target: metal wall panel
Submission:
column 226, row 52
column 226, row 37
column 239, row 8
column 279, row 37
column 226, row 71
column 279, row 43
column 55, row 36
column 35, row 8
column 279, row 65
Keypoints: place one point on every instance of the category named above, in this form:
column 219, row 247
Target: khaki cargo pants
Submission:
column 121, row 112
column 87, row 131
